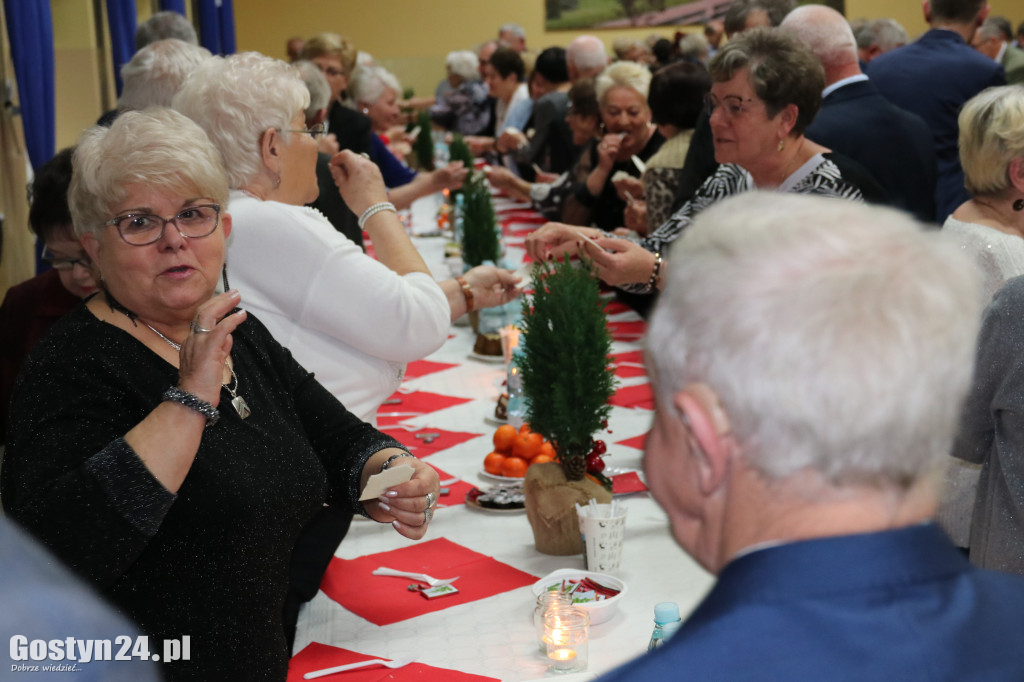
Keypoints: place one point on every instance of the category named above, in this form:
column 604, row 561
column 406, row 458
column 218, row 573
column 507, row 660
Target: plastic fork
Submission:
column 397, row 663
column 422, row 577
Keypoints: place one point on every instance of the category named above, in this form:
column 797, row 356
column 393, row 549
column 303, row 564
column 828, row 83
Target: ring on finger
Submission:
column 197, row 329
column 430, row 500
column 428, row 514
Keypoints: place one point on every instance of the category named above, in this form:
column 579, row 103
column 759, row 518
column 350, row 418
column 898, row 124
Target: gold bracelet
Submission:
column 467, row 291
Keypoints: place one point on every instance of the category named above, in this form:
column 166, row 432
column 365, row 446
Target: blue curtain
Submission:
column 122, row 21
column 30, row 30
column 173, row 6
column 217, row 26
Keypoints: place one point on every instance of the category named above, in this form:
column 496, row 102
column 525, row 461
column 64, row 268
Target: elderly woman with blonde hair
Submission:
column 622, row 90
column 336, row 56
column 990, row 225
column 161, row 442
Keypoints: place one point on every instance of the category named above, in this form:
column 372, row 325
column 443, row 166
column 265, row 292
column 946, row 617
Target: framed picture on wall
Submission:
column 598, row 14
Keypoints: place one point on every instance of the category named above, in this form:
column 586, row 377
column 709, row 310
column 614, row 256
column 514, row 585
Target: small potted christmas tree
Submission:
column 567, row 382
column 459, row 151
column 423, row 147
column 480, row 241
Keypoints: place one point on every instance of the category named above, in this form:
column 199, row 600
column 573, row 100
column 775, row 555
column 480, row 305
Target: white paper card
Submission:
column 379, row 483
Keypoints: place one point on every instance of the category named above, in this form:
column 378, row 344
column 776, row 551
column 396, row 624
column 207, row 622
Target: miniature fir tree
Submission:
column 565, row 371
column 423, row 147
column 479, row 232
column 459, row 151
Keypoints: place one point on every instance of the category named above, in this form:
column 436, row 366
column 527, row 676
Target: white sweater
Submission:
column 344, row 316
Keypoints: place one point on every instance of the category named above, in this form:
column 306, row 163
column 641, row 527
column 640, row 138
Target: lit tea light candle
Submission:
column 562, row 658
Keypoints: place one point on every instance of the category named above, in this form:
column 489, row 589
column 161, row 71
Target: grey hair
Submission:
column 156, row 72
column 992, row 28
column 316, row 83
column 464, row 64
column 164, row 25
column 636, row 77
column 369, row 83
column 586, row 52
column 991, row 136
column 825, row 31
column 886, row 33
column 694, row 47
column 514, row 29
column 838, row 336
column 156, row 147
column 235, row 100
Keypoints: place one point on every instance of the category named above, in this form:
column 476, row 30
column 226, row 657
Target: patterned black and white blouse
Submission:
column 817, row 176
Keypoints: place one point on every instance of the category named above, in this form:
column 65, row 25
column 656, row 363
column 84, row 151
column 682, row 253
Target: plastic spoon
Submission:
column 397, row 663
column 422, row 577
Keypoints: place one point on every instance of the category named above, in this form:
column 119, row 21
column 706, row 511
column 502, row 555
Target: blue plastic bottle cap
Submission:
column 666, row 612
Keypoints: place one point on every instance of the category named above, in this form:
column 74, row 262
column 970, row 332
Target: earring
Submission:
column 1018, row 205
column 277, row 181
column 224, row 275
column 366, row 110
column 782, row 145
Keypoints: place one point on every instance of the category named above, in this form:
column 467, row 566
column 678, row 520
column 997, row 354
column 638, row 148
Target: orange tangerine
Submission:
column 493, row 463
column 514, row 467
column 504, row 438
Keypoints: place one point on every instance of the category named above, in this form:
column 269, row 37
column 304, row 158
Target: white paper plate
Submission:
column 496, row 478
column 490, row 359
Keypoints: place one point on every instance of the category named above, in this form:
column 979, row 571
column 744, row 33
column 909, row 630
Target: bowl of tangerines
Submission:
column 515, row 450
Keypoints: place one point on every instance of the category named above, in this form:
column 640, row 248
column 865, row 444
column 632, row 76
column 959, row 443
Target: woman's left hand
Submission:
column 621, row 261
column 404, row 506
column 629, row 188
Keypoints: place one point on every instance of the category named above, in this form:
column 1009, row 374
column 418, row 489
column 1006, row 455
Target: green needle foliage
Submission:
column 479, row 234
column 565, row 369
column 424, row 145
column 458, row 150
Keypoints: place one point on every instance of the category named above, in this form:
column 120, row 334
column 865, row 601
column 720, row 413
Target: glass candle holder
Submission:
column 546, row 602
column 566, row 633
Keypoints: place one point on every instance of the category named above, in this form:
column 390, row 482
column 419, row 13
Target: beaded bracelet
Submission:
column 176, row 395
column 652, row 284
column 392, row 458
column 374, row 210
column 467, row 291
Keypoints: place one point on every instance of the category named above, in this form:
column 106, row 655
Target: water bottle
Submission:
column 514, row 384
column 460, row 210
column 666, row 622
column 441, row 153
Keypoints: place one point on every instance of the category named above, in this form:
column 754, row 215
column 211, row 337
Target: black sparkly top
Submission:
column 211, row 561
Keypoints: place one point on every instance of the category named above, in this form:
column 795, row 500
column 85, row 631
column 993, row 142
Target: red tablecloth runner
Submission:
column 627, row 483
column 421, row 368
column 456, row 491
column 640, row 395
column 633, row 357
column 414, row 404
column 384, row 600
column 634, row 442
column 417, row 443
column 632, row 330
column 318, row 656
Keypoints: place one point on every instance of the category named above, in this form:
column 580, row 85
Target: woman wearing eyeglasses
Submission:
column 30, row 308
column 376, row 92
column 162, row 443
column 766, row 89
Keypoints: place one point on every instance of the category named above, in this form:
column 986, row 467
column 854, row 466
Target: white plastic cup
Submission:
column 602, row 537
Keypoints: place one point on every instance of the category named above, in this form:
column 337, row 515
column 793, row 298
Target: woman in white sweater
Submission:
column 353, row 320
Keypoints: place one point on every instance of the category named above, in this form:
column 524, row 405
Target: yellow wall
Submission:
column 412, row 37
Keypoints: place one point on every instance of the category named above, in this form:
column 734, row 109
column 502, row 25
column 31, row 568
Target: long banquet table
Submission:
column 494, row 636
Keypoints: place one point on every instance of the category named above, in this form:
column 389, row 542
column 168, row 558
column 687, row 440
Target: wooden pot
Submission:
column 551, row 502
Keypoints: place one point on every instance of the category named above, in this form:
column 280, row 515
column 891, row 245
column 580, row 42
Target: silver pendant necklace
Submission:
column 237, row 401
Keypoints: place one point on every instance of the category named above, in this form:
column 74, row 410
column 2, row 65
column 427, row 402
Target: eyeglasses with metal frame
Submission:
column 193, row 222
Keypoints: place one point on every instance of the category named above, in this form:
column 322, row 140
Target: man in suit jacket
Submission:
column 894, row 145
column 933, row 77
column 992, row 39
column 807, row 381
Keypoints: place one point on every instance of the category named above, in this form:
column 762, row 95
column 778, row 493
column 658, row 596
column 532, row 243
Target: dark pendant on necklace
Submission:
column 241, row 407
